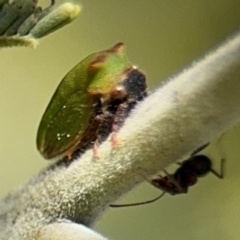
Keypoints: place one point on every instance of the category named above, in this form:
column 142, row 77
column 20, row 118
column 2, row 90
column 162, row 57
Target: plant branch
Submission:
column 25, row 24
column 190, row 109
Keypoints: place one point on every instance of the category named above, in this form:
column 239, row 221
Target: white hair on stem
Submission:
column 190, row 109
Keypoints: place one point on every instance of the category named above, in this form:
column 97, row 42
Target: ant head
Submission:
column 166, row 185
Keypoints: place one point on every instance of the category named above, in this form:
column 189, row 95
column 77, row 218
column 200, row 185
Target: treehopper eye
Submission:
column 91, row 101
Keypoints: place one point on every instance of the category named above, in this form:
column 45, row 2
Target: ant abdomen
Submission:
column 199, row 165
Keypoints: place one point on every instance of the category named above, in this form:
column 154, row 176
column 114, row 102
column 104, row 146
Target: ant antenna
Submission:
column 137, row 204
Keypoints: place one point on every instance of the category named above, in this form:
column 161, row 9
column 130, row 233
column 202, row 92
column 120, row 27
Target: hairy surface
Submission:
column 186, row 112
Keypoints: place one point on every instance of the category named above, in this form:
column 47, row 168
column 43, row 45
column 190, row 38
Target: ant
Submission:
column 184, row 177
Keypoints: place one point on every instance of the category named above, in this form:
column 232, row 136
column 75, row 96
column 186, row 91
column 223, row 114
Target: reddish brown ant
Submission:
column 184, row 177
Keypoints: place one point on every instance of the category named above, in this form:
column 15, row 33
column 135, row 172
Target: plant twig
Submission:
column 186, row 112
column 23, row 26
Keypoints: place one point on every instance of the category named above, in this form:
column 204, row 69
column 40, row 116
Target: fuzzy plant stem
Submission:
column 186, row 112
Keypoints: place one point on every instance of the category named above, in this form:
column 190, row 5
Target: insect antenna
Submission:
column 138, row 203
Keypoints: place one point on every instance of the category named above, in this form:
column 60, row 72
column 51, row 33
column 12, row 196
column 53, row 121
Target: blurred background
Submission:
column 161, row 38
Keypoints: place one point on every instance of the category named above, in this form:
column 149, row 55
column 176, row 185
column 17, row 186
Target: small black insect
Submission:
column 184, row 177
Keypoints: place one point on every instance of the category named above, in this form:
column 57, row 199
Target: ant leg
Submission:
column 199, row 149
column 221, row 171
column 195, row 152
column 138, row 203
